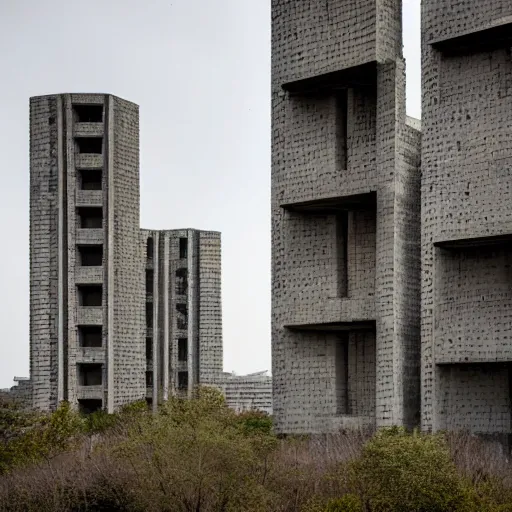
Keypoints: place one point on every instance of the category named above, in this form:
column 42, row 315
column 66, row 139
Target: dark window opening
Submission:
column 181, row 281
column 90, row 179
column 87, row 145
column 90, row 218
column 149, row 281
column 182, row 316
column 342, row 130
column 90, row 336
column 90, row 374
column 182, row 380
column 149, row 378
column 149, row 314
column 90, row 255
column 183, row 247
column 88, row 113
column 90, row 295
column 182, row 350
column 89, row 406
column 149, row 402
column 149, row 348
column 149, row 249
column 342, row 252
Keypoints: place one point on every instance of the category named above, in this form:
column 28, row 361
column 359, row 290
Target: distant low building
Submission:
column 248, row 392
column 21, row 391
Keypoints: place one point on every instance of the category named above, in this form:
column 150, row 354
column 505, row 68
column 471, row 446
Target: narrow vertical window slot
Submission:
column 342, row 252
column 342, row 129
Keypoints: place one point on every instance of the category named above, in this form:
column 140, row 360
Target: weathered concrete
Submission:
column 345, row 219
column 183, row 298
column 63, row 149
column 248, row 392
column 88, row 264
column 466, row 216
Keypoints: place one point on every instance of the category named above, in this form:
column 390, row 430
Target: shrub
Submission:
column 348, row 503
column 253, row 422
column 408, row 472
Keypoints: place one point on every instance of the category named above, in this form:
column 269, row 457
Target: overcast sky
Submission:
column 200, row 72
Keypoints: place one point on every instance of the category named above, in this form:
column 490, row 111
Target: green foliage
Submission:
column 198, row 455
column 409, row 472
column 255, row 422
column 40, row 436
column 191, row 456
column 348, row 503
column 100, row 421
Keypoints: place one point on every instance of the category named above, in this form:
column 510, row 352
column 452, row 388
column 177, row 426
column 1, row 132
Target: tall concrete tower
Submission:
column 86, row 270
column 345, row 219
column 183, row 311
column 467, row 216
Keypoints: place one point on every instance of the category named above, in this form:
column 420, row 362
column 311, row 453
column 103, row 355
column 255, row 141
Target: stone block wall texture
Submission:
column 335, row 271
column 44, row 208
column 248, row 392
column 210, row 307
column 55, row 234
column 466, row 195
column 189, row 283
column 126, row 261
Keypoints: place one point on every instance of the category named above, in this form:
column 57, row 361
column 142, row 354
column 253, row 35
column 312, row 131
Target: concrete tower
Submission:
column 345, row 219
column 467, row 216
column 183, row 311
column 86, row 271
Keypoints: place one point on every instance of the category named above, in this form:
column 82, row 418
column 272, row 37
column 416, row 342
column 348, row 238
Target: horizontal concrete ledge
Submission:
column 468, row 243
column 89, row 198
column 89, row 315
column 474, row 361
column 89, row 236
column 88, row 275
column 88, row 99
column 364, row 75
column 88, row 161
column 88, row 130
column 362, row 325
column 90, row 355
column 90, row 392
column 494, row 35
column 335, row 204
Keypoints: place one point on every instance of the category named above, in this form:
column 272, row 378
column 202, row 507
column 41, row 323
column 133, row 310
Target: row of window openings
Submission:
column 181, row 317
column 182, row 380
column 91, row 374
column 91, row 336
column 182, row 349
column 150, row 248
column 181, row 281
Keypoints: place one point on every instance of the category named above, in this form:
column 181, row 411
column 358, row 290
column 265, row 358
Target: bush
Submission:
column 198, row 455
column 408, row 472
column 349, row 503
column 38, row 436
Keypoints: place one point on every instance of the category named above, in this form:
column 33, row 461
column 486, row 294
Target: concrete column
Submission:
column 190, row 309
column 156, row 318
column 61, row 234
column 110, row 262
column 165, row 368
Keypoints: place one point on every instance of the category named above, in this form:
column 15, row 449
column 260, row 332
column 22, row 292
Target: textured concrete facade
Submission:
column 183, row 311
column 467, row 216
column 251, row 392
column 85, row 269
column 100, row 333
column 345, row 219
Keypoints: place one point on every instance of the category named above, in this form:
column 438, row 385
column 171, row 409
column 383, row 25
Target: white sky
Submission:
column 200, row 71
